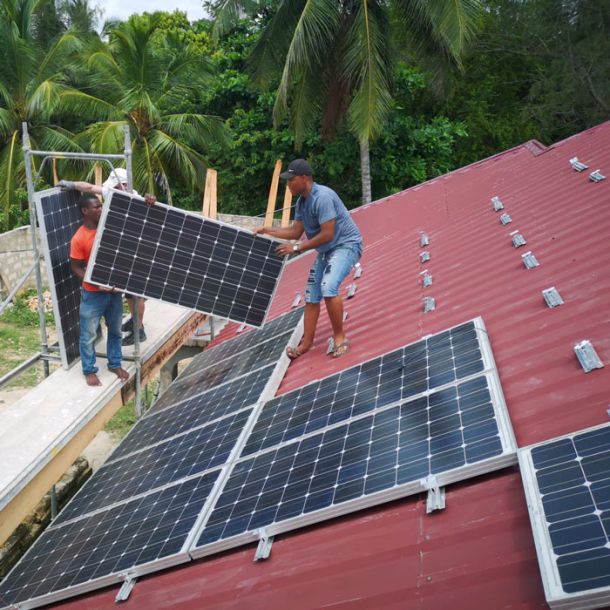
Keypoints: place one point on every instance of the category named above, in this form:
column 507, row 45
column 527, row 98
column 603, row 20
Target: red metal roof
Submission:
column 479, row 550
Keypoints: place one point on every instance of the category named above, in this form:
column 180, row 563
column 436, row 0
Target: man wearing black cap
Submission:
column 330, row 230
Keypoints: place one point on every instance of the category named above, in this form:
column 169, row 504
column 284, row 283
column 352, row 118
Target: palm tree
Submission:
column 31, row 86
column 145, row 79
column 337, row 57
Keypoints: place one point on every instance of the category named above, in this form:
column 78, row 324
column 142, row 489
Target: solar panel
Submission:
column 226, row 370
column 407, row 372
column 248, row 339
column 368, row 435
column 137, row 536
column 179, row 257
column 158, row 465
column 196, row 411
column 59, row 217
column 567, row 486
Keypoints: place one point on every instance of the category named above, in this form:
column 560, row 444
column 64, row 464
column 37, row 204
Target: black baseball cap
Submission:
column 298, row 167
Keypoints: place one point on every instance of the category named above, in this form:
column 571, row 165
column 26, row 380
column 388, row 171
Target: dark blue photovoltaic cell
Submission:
column 249, row 338
column 196, row 411
column 178, row 257
column 573, row 476
column 392, row 447
column 406, row 372
column 59, row 218
column 227, row 370
column 154, row 467
column 108, row 542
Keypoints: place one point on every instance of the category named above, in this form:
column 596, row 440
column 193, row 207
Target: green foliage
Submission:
column 20, row 314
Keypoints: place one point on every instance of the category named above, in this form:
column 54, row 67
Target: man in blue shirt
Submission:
column 329, row 228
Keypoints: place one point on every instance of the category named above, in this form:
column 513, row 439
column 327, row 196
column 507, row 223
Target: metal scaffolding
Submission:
column 45, row 354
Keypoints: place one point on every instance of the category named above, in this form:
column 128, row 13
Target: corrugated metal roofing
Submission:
column 479, row 550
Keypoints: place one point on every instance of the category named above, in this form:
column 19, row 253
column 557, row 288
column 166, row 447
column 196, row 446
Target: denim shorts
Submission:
column 329, row 270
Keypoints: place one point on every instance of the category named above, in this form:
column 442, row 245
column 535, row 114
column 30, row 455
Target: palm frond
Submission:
column 228, row 13
column 103, row 137
column 312, row 39
column 8, row 124
column 368, row 66
column 44, row 99
column 198, row 130
column 84, row 105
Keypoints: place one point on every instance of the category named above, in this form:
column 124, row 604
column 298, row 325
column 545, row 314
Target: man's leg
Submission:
column 91, row 311
column 338, row 266
column 334, row 307
column 114, row 314
column 313, row 297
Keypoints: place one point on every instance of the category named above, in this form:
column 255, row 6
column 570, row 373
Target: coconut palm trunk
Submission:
column 365, row 171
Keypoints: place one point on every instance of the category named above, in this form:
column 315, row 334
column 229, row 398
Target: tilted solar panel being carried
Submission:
column 567, row 486
column 422, row 416
column 59, row 217
column 140, row 511
column 180, row 257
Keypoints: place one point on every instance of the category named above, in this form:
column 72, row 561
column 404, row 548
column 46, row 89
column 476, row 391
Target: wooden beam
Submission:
column 273, row 193
column 286, row 208
column 210, row 194
column 55, row 177
column 25, row 501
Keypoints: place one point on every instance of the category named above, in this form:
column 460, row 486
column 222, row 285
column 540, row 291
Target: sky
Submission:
column 121, row 9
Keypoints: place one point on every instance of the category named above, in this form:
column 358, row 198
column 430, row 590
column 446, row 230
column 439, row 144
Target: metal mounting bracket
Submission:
column 436, row 494
column 126, row 588
column 263, row 550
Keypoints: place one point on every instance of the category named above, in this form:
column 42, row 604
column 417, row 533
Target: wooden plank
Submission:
column 273, row 194
column 210, row 193
column 286, row 208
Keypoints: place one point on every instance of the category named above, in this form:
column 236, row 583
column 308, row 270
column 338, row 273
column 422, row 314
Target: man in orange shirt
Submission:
column 95, row 302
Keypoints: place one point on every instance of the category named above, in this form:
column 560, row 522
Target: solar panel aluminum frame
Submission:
column 507, row 458
column 100, row 230
column 38, row 196
column 554, row 594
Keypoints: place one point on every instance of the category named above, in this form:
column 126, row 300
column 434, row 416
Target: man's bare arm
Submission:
column 294, row 231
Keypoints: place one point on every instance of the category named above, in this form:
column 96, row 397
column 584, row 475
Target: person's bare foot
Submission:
column 122, row 374
column 294, row 352
column 92, row 379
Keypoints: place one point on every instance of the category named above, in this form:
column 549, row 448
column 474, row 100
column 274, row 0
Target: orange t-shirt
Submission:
column 80, row 249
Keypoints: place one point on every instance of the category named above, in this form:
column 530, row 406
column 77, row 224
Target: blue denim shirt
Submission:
column 322, row 205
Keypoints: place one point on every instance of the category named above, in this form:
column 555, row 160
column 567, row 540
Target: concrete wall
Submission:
column 16, row 259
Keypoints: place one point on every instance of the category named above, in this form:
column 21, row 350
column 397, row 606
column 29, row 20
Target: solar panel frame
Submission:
column 508, row 457
column 95, row 270
column 556, row 596
column 63, row 284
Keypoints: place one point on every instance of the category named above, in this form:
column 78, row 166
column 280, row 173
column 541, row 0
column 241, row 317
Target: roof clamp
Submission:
column 587, row 356
column 552, row 297
column 529, row 260
column 436, row 494
column 357, row 270
column 424, row 256
column 331, row 346
column 497, row 204
column 351, row 291
column 424, row 240
column 126, row 588
column 345, row 314
column 505, row 219
column 429, row 304
column 241, row 328
column 596, row 176
column 265, row 542
column 577, row 165
column 426, row 279
column 296, row 300
column 518, row 239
